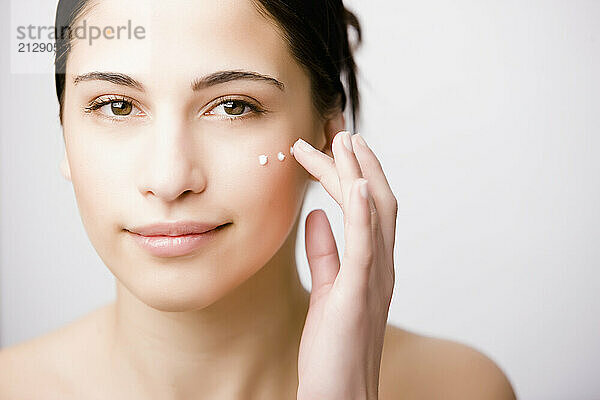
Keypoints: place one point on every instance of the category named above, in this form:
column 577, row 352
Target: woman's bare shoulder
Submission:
column 416, row 366
column 44, row 366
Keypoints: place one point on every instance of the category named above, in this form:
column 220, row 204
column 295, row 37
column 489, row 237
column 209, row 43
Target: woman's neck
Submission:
column 245, row 345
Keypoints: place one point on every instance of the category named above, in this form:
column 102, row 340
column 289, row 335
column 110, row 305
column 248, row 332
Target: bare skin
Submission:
column 225, row 323
column 82, row 360
column 69, row 363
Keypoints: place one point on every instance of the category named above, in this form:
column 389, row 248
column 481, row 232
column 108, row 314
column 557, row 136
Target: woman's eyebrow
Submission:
column 112, row 77
column 211, row 79
column 218, row 77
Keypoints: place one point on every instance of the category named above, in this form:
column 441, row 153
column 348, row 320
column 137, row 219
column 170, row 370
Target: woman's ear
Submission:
column 64, row 167
column 331, row 127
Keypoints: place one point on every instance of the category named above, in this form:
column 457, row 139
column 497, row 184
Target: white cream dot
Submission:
column 292, row 150
column 280, row 156
column 262, row 159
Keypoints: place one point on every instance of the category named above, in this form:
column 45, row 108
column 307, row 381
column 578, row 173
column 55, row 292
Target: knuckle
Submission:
column 367, row 256
column 394, row 203
column 324, row 257
column 320, row 176
column 364, row 260
column 375, row 229
column 372, row 206
column 377, row 163
column 373, row 211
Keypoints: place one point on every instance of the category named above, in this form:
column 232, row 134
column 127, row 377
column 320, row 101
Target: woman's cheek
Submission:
column 266, row 197
column 100, row 191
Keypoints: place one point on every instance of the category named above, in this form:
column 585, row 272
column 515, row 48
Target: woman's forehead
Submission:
column 181, row 38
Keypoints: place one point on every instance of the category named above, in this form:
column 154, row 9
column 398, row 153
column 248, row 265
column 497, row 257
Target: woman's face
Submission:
column 164, row 150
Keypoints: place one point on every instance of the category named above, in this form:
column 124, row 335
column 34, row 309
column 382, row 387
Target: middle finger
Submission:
column 346, row 164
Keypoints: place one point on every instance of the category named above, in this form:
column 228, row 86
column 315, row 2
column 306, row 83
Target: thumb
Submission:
column 321, row 252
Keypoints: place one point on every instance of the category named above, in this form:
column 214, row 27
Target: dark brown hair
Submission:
column 316, row 32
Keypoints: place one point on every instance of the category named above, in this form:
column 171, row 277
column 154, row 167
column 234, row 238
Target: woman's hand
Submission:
column 342, row 341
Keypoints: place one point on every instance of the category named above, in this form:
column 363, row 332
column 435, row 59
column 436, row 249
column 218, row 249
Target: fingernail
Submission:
column 364, row 191
column 304, row 146
column 347, row 141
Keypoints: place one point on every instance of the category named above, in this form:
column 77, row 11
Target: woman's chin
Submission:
column 177, row 292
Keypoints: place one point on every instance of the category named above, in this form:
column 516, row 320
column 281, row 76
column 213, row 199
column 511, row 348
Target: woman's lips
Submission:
column 173, row 246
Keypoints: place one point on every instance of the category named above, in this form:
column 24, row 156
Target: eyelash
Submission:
column 256, row 110
column 100, row 102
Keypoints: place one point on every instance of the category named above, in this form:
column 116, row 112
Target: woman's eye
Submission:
column 232, row 108
column 120, row 108
column 115, row 108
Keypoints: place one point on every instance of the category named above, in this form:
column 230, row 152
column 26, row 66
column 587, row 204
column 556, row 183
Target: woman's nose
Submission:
column 173, row 163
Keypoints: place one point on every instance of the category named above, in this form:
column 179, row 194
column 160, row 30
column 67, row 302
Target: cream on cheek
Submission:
column 267, row 179
column 263, row 159
column 278, row 197
column 260, row 165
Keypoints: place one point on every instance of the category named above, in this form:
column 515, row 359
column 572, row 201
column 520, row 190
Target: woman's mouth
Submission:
column 173, row 246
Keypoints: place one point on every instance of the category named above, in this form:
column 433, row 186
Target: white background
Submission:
column 486, row 117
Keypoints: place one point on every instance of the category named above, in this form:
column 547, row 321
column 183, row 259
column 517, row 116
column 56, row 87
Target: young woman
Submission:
column 190, row 146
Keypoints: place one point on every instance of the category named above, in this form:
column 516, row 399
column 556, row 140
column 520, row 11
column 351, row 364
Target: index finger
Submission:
column 319, row 165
